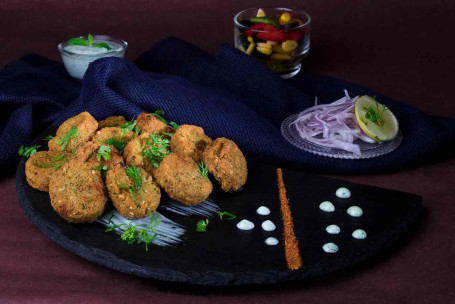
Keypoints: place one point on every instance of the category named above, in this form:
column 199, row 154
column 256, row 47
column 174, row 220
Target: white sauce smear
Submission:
column 268, row 225
column 333, row 229
column 263, row 210
column 330, row 248
column 245, row 225
column 355, row 211
column 271, row 241
column 359, row 234
column 343, row 193
column 327, row 206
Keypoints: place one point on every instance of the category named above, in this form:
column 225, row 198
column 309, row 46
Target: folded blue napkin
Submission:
column 229, row 95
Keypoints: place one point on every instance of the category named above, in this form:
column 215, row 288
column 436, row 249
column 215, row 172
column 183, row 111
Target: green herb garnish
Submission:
column 128, row 126
column 138, row 234
column 104, row 152
column 134, row 173
column 100, row 168
column 56, row 162
column 88, row 42
column 63, row 141
column 375, row 115
column 159, row 114
column 129, row 189
column 156, row 149
column 28, row 151
column 229, row 216
column 201, row 168
column 118, row 144
column 202, row 225
column 49, row 137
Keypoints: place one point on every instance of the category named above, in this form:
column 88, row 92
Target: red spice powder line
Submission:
column 291, row 243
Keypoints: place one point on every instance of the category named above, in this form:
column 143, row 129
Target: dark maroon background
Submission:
column 403, row 49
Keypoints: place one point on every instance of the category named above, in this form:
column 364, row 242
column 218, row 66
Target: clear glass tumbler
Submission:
column 278, row 37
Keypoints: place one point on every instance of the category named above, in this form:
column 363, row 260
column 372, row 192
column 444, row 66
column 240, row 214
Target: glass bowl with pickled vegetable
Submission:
column 278, row 37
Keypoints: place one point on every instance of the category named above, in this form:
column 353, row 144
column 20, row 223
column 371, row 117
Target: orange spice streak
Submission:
column 291, row 243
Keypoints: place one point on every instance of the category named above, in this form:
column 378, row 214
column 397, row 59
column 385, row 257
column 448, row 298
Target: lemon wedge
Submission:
column 375, row 119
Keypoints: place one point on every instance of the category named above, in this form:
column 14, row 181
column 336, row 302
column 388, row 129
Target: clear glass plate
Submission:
column 368, row 150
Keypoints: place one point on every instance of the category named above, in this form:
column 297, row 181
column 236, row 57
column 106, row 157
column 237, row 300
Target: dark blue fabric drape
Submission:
column 229, row 95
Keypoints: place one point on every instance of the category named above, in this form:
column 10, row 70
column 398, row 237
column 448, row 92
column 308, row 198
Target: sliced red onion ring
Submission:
column 332, row 125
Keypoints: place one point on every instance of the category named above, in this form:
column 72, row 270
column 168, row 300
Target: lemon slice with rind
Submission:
column 375, row 119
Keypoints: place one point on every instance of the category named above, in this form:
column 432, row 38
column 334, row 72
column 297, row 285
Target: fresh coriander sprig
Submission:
column 56, row 162
column 201, row 168
column 138, row 234
column 156, row 148
column 229, row 216
column 48, row 137
column 128, row 126
column 100, row 168
column 104, row 152
column 134, row 173
column 159, row 114
column 63, row 141
column 28, row 151
column 201, row 226
column 129, row 189
column 375, row 115
column 118, row 144
column 88, row 42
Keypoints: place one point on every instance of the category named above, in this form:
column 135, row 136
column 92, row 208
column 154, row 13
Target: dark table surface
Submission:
column 404, row 49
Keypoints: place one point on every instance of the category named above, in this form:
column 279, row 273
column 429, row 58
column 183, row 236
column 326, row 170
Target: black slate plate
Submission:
column 225, row 255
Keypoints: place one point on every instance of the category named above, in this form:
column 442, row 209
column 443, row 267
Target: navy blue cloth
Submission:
column 230, row 95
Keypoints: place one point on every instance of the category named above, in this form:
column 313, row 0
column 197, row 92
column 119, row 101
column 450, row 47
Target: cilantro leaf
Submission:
column 229, row 216
column 201, row 226
column 201, row 168
column 104, row 152
column 63, row 141
column 28, row 151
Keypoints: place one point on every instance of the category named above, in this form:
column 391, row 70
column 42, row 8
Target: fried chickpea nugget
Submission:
column 42, row 165
column 77, row 192
column 146, row 151
column 226, row 162
column 178, row 175
column 112, row 121
column 90, row 152
column 140, row 202
column 149, row 124
column 190, row 140
column 77, row 130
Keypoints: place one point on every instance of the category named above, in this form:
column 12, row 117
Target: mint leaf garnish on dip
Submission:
column 88, row 42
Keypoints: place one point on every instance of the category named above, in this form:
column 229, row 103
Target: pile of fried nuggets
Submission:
column 79, row 189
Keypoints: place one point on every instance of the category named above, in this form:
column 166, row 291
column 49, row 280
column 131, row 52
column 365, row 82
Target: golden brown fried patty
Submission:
column 141, row 202
column 148, row 123
column 112, row 121
column 77, row 192
column 86, row 126
column 114, row 133
column 179, row 177
column 89, row 153
column 226, row 162
column 135, row 150
column 190, row 140
column 41, row 166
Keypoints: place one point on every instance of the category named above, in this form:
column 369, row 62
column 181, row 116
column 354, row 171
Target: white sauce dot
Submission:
column 355, row 211
column 268, row 225
column 333, row 229
column 343, row 192
column 327, row 206
column 271, row 241
column 330, row 248
column 263, row 210
column 245, row 225
column 359, row 234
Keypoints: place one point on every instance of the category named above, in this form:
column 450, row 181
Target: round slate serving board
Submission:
column 224, row 255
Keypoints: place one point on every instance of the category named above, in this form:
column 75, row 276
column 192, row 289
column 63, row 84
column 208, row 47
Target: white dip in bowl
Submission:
column 76, row 58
